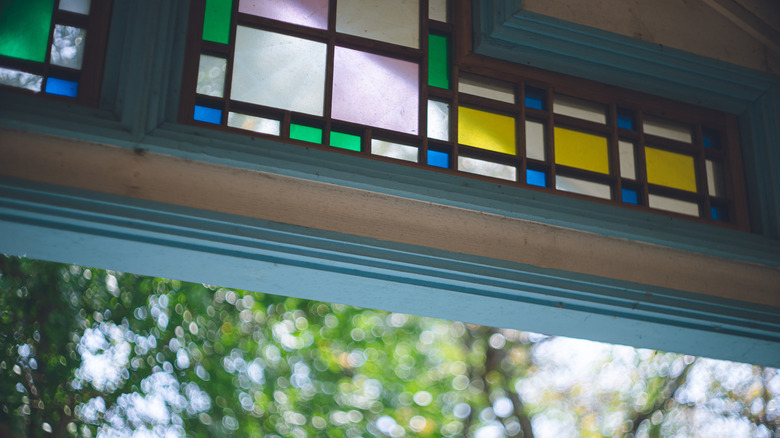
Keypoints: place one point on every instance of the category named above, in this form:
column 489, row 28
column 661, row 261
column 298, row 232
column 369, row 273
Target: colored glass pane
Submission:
column 485, row 130
column 535, row 97
column 252, row 123
column 625, row 118
column 536, row 178
column 487, row 168
column 345, row 141
column 670, row 169
column 535, row 140
column 216, row 23
column 719, row 214
column 627, row 168
column 581, row 150
column 667, row 129
column 487, row 88
column 278, row 70
column 438, row 159
column 375, row 90
column 630, row 196
column 20, row 79
column 67, row 49
column 438, row 61
column 24, row 28
column 578, row 108
column 715, row 183
column 394, row 150
column 437, row 10
column 208, row 115
column 211, row 75
column 61, row 87
column 710, row 139
column 674, row 205
column 76, row 6
column 576, row 185
column 310, row 13
column 305, row 133
column 391, row 21
column 438, row 120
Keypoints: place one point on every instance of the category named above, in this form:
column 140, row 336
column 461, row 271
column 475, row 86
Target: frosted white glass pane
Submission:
column 437, row 10
column 252, row 123
column 534, row 140
column 278, row 70
column 590, row 188
column 581, row 109
column 487, row 168
column 715, row 178
column 77, row 6
column 391, row 21
column 488, row 88
column 627, row 169
column 211, row 75
column 311, row 13
column 67, row 49
column 675, row 205
column 20, row 79
column 438, row 120
column 394, row 150
column 667, row 129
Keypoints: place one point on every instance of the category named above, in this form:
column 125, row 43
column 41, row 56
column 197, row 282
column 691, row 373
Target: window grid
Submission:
column 536, row 95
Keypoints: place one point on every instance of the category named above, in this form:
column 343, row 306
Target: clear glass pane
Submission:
column 627, row 169
column 590, row 188
column 394, row 150
column 252, row 123
column 77, row 6
column 667, row 129
column 488, row 88
column 437, row 10
column 715, row 185
column 439, row 120
column 375, row 90
column 581, row 150
column 391, row 21
column 211, row 75
column 67, row 49
column 485, row 130
column 310, row 13
column 24, row 28
column 670, row 169
column 487, row 168
column 581, row 109
column 278, row 70
column 20, row 79
column 671, row 204
column 535, row 140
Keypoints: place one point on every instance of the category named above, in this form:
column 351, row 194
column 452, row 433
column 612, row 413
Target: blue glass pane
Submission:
column 536, row 178
column 625, row 119
column 630, row 196
column 710, row 139
column 438, row 159
column 534, row 98
column 208, row 115
column 719, row 214
column 61, row 87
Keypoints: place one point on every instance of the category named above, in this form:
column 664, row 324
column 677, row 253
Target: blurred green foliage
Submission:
column 89, row 352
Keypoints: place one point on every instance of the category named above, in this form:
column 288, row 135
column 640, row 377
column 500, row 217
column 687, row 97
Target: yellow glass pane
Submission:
column 670, row 169
column 486, row 130
column 581, row 150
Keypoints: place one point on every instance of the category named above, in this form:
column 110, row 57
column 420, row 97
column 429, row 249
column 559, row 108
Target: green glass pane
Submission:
column 345, row 141
column 438, row 61
column 216, row 24
column 305, row 133
column 24, row 28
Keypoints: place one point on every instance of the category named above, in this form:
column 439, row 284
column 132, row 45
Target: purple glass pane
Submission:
column 311, row 13
column 375, row 90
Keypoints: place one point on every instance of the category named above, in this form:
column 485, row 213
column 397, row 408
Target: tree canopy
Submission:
column 89, row 352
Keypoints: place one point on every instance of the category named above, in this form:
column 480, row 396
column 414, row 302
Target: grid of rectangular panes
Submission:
column 53, row 46
column 379, row 78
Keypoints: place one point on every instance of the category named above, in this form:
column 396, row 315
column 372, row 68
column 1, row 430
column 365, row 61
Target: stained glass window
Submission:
column 53, row 47
column 384, row 79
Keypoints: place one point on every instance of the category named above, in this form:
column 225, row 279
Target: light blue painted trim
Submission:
column 113, row 232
